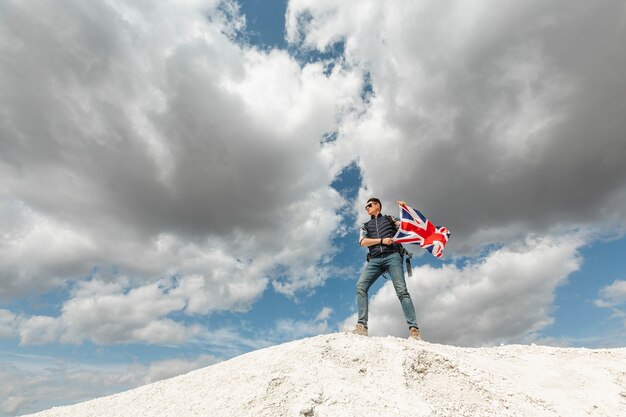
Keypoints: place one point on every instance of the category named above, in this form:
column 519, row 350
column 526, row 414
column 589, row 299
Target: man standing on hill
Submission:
column 384, row 256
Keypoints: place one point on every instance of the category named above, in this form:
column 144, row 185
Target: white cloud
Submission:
column 613, row 297
column 205, row 295
column 505, row 297
column 324, row 314
column 289, row 329
column 38, row 330
column 7, row 324
column 61, row 251
column 112, row 312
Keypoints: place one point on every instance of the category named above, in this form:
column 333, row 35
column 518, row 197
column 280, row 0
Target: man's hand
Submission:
column 387, row 241
column 401, row 203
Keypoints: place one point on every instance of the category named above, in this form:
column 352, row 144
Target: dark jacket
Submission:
column 376, row 228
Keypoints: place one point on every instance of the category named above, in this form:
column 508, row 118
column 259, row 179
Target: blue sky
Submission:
column 181, row 183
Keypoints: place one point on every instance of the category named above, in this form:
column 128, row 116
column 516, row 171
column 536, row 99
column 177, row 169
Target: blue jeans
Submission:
column 391, row 262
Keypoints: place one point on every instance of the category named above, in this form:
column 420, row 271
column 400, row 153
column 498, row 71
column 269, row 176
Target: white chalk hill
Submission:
column 347, row 375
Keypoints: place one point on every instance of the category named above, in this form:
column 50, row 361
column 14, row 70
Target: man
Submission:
column 384, row 256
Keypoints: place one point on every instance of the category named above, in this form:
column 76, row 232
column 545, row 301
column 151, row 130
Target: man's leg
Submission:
column 393, row 262
column 369, row 275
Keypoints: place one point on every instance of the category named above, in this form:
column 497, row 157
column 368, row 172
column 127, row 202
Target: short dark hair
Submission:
column 375, row 200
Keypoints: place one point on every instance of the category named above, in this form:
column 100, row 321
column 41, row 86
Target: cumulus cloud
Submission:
column 7, row 324
column 324, row 314
column 112, row 312
column 289, row 329
column 38, row 330
column 613, row 297
column 39, row 251
column 146, row 137
column 505, row 297
column 495, row 121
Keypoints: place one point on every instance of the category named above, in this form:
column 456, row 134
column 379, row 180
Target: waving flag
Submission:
column 417, row 229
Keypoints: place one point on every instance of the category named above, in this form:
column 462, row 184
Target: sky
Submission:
column 182, row 182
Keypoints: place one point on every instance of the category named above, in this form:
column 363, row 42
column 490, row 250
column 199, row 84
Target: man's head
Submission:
column 373, row 206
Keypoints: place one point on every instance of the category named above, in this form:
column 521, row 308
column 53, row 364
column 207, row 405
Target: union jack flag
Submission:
column 417, row 229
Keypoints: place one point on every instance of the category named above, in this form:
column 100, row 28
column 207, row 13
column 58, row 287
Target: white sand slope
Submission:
column 348, row 375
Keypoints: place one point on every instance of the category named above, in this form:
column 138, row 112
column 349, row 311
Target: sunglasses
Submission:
column 369, row 205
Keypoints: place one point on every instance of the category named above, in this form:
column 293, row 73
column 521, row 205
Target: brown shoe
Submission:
column 415, row 333
column 360, row 329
